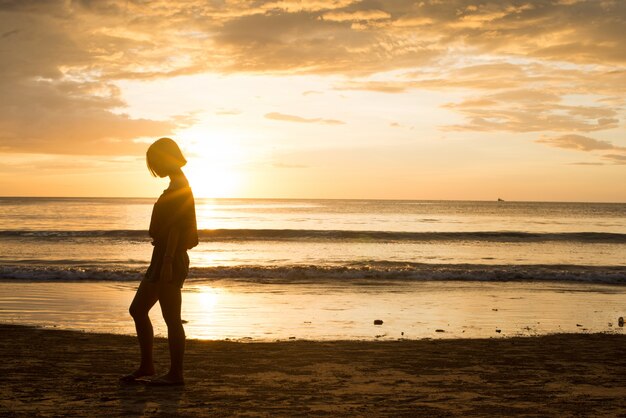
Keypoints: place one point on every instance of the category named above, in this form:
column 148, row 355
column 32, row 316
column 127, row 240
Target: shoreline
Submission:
column 318, row 312
column 55, row 372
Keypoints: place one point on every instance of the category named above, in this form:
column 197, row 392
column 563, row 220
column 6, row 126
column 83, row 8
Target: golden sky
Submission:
column 522, row 100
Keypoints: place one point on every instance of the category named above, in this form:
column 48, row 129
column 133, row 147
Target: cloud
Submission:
column 520, row 97
column 46, row 108
column 62, row 60
column 67, row 118
column 587, row 144
column 590, row 163
column 408, row 21
column 617, row 159
column 299, row 119
column 306, row 5
column 308, row 43
column 227, row 112
column 358, row 15
column 579, row 142
column 377, row 86
column 530, row 111
column 128, row 39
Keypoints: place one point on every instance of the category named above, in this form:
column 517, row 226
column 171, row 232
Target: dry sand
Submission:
column 58, row 373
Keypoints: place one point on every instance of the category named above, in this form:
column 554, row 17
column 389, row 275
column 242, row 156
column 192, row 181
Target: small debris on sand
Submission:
column 620, row 321
column 378, row 322
column 440, row 330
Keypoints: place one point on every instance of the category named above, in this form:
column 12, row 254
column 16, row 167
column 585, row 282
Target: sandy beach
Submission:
column 57, row 373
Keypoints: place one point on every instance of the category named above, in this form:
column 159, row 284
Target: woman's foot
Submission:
column 137, row 374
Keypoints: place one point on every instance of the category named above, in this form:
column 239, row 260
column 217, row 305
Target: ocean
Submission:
column 324, row 269
column 287, row 241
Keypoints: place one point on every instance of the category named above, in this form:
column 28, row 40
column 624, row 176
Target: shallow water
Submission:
column 268, row 312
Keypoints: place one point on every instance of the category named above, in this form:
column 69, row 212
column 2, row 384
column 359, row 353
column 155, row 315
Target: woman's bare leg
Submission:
column 170, row 300
column 145, row 298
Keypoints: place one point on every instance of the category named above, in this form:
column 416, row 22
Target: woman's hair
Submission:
column 164, row 154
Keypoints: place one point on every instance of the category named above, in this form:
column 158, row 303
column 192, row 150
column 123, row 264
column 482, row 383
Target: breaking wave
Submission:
column 377, row 272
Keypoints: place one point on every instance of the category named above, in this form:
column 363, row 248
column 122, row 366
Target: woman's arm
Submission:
column 168, row 257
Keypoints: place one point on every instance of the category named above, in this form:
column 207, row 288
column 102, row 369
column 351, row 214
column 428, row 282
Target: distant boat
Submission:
column 500, row 200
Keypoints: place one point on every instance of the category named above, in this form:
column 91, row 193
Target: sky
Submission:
column 460, row 99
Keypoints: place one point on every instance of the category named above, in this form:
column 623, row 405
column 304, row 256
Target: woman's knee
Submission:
column 137, row 311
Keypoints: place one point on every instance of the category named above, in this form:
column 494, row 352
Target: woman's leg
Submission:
column 170, row 300
column 145, row 298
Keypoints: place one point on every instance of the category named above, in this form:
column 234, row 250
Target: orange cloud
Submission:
column 356, row 15
column 579, row 142
column 617, row 159
column 531, row 111
column 61, row 60
column 299, row 119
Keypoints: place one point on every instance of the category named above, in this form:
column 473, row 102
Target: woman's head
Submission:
column 164, row 157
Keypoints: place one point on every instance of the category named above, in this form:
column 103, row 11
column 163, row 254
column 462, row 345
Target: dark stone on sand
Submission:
column 498, row 331
column 378, row 322
column 620, row 321
column 440, row 330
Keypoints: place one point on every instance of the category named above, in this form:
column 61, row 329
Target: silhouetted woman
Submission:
column 173, row 231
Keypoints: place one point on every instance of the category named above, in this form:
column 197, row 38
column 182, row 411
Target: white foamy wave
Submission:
column 378, row 272
column 58, row 273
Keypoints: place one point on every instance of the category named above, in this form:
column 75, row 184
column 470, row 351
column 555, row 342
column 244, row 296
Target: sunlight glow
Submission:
column 213, row 156
column 207, row 299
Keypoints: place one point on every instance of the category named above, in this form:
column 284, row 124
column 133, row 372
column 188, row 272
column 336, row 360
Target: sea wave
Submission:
column 212, row 235
column 378, row 272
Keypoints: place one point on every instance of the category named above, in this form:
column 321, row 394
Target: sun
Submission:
column 212, row 161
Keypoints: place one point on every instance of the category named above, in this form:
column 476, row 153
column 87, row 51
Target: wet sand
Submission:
column 52, row 372
column 266, row 312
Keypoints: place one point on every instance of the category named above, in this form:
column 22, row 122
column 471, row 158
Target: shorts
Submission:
column 180, row 266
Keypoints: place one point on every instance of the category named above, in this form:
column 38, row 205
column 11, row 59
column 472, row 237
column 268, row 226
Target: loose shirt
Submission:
column 175, row 208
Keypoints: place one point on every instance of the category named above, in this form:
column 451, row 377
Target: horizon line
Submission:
column 319, row 198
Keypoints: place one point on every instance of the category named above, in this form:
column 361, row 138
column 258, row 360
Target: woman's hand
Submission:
column 166, row 270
